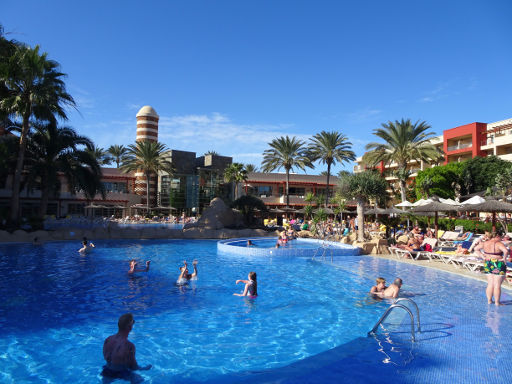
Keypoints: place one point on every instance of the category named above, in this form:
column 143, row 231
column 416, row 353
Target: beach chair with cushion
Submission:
column 448, row 238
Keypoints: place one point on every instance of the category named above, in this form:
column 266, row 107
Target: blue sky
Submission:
column 230, row 76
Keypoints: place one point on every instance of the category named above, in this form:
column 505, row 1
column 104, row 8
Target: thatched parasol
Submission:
column 492, row 206
column 433, row 205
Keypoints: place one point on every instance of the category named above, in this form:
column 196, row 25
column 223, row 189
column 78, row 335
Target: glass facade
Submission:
column 115, row 187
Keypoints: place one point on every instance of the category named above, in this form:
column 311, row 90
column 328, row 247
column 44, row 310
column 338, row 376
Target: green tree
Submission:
column 442, row 178
column 288, row 153
column 35, row 89
column 211, row 152
column 247, row 204
column 479, row 173
column 101, row 156
column 362, row 187
column 53, row 151
column 329, row 148
column 403, row 142
column 251, row 168
column 503, row 182
column 235, row 173
column 118, row 153
column 147, row 157
column 8, row 154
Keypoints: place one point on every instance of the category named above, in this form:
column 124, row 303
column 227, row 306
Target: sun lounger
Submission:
column 448, row 238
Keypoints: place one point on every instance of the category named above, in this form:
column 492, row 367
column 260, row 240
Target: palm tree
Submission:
column 52, row 150
column 251, row 168
column 362, row 187
column 287, row 153
column 35, row 90
column 403, row 142
column 211, row 152
column 149, row 158
column 118, row 152
column 235, row 173
column 329, row 147
column 100, row 155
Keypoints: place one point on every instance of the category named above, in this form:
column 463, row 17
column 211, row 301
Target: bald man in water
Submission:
column 394, row 289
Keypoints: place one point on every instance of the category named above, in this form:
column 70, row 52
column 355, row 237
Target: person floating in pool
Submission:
column 185, row 276
column 393, row 290
column 250, row 243
column 119, row 353
column 251, row 286
column 379, row 287
column 133, row 264
column 86, row 246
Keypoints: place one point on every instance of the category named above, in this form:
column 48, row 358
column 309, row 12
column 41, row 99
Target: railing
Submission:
column 459, row 146
column 396, row 305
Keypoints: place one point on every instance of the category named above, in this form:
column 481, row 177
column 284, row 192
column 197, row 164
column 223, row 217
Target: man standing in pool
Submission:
column 185, row 276
column 394, row 289
column 119, row 353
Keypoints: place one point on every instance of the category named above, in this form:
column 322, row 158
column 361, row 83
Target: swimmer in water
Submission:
column 251, row 286
column 250, row 243
column 86, row 247
column 379, row 287
column 119, row 352
column 185, row 276
column 133, row 264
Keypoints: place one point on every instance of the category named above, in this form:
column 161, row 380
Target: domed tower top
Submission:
column 147, row 110
column 147, row 124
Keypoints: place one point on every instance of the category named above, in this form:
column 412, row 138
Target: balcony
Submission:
column 459, row 146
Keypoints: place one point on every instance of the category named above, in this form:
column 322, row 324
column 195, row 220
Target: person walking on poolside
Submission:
column 133, row 264
column 394, row 289
column 119, row 352
column 380, row 286
column 251, row 286
column 495, row 255
column 185, row 276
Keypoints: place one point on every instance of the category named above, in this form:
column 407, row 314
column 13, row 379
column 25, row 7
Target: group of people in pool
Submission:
column 380, row 289
column 119, row 352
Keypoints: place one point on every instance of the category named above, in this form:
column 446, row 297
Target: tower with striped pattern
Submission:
column 147, row 130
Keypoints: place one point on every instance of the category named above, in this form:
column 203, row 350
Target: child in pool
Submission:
column 251, row 286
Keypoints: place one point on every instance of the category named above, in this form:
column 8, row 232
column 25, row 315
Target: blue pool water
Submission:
column 309, row 323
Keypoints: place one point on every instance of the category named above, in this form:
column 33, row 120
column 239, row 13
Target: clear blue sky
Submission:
column 230, row 76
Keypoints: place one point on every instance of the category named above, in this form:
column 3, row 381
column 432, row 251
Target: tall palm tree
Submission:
column 35, row 90
column 118, row 153
column 149, row 158
column 235, row 173
column 403, row 142
column 328, row 148
column 53, row 150
column 101, row 156
column 288, row 153
column 251, row 168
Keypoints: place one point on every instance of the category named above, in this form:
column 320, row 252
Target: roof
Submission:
column 115, row 172
column 261, row 177
column 147, row 110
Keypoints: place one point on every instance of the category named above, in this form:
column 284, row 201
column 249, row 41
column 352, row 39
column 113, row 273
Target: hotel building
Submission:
column 459, row 144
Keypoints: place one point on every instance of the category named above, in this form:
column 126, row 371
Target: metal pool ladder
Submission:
column 397, row 305
column 323, row 248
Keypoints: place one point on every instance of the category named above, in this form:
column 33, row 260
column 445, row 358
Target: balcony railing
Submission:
column 459, row 146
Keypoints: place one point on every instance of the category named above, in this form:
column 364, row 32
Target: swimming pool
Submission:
column 309, row 323
column 266, row 246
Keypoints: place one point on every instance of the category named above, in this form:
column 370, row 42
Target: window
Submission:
column 115, row 187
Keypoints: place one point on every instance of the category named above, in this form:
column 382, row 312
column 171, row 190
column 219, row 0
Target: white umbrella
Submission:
column 420, row 202
column 448, row 201
column 474, row 200
column 404, row 204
